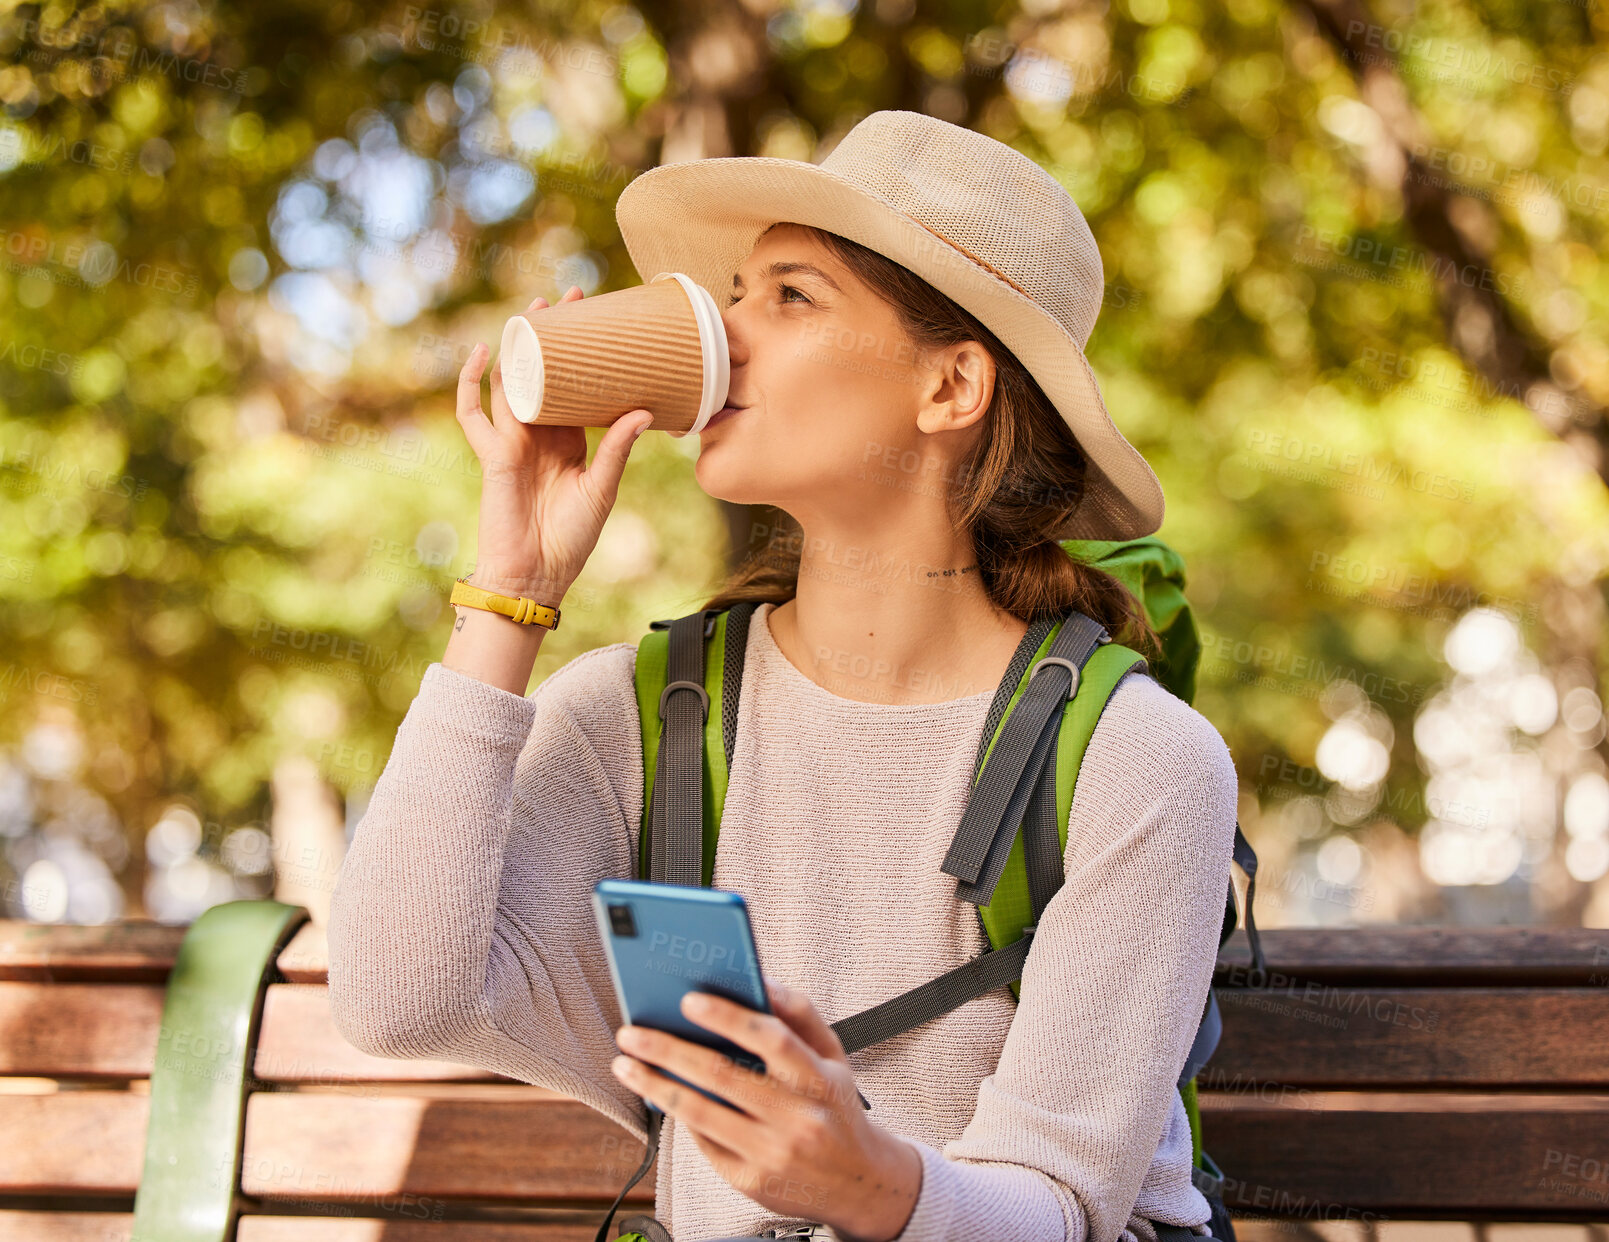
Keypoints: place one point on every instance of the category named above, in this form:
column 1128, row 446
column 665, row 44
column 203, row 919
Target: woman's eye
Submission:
column 732, row 299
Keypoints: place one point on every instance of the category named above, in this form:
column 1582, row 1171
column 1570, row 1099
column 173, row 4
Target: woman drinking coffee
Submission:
column 906, row 326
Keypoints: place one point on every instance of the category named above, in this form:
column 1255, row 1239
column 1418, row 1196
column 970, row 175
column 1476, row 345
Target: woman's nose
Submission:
column 736, row 347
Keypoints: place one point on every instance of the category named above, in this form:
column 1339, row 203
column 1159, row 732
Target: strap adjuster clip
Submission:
column 1065, row 663
column 703, row 694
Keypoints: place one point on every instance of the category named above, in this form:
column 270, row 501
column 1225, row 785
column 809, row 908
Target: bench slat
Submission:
column 299, row 1044
column 532, row 1147
column 66, row 1226
column 1424, row 1155
column 132, row 951
column 109, row 1031
column 143, row 951
column 117, row 1227
column 1324, row 1036
column 1426, row 956
column 306, row 1229
column 340, row 1148
column 1432, row 1037
column 79, row 1030
column 306, row 959
column 1431, row 1158
column 77, row 1142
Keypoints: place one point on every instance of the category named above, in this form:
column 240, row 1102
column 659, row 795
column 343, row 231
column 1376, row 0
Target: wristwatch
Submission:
column 516, row 607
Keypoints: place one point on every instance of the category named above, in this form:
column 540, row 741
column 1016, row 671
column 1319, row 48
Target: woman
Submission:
column 927, row 463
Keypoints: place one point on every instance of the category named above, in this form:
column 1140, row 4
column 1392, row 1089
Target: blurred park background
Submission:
column 1357, row 317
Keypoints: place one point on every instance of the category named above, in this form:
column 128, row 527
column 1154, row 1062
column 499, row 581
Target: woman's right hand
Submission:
column 542, row 507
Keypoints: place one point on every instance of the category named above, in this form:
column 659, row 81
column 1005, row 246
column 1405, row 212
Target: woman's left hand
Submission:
column 802, row 1144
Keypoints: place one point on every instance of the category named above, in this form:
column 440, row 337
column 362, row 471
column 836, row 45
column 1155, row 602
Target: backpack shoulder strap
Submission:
column 1017, row 755
column 688, row 737
column 1013, row 906
column 1014, row 780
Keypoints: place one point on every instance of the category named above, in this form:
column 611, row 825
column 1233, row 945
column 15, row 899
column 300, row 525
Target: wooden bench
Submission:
column 1379, row 1074
column 1414, row 1073
column 338, row 1146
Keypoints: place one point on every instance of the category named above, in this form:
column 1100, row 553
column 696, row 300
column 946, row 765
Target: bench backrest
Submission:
column 1414, row 1073
column 1377, row 1073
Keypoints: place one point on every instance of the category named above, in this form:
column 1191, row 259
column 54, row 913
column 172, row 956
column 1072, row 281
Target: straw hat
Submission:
column 980, row 222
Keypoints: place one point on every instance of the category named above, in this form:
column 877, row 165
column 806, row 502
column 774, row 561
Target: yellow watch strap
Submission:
column 516, row 608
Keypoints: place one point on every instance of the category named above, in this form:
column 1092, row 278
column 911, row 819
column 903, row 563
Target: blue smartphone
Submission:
column 665, row 940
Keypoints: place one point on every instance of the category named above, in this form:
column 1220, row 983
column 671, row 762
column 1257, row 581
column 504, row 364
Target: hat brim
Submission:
column 702, row 218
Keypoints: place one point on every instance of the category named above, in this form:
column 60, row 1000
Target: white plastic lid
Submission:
column 521, row 362
column 712, row 337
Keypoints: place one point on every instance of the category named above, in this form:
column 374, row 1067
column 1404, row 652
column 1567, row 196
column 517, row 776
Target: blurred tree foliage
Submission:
column 1356, row 319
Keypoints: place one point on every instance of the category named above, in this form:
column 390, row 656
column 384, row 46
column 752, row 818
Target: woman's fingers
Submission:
column 734, row 1130
column 788, row 1059
column 469, row 381
column 799, row 1012
column 602, row 477
column 797, row 1062
column 701, row 1066
column 470, row 416
column 570, row 295
column 502, row 416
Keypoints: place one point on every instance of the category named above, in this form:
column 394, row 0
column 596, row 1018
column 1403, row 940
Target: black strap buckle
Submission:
column 709, row 624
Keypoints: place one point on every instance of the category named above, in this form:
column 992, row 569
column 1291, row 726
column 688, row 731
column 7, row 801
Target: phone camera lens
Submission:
column 621, row 922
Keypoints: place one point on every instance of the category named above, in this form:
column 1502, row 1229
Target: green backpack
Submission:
column 1008, row 873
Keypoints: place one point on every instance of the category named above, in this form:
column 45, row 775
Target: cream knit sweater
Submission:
column 461, row 928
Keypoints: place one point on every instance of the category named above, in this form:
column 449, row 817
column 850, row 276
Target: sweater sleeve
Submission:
column 1084, row 1095
column 460, row 925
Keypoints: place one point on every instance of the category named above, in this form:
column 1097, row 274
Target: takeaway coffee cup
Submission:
column 660, row 346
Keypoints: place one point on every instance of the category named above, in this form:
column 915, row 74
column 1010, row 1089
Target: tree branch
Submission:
column 1480, row 326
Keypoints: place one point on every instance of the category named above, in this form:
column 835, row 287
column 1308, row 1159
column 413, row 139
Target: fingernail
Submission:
column 641, row 427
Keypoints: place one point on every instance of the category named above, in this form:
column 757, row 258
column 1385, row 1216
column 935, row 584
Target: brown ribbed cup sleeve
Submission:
column 625, row 350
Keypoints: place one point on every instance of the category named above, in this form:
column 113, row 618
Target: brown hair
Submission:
column 1020, row 482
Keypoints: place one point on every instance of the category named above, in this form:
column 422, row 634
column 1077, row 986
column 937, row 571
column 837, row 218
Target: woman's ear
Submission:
column 959, row 388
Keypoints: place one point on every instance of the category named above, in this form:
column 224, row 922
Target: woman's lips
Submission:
column 721, row 415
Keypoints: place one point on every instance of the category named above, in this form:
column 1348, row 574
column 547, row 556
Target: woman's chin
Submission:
column 721, row 481
column 709, row 475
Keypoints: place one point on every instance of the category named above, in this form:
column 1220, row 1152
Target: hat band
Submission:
column 983, row 263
